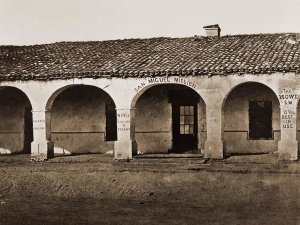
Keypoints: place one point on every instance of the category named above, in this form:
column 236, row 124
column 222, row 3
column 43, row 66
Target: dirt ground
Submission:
column 95, row 189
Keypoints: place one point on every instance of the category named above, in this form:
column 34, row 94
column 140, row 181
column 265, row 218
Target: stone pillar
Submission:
column 124, row 144
column 213, row 147
column 288, row 144
column 41, row 147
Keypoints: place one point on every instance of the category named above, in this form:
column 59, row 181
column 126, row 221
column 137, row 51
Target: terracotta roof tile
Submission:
column 257, row 53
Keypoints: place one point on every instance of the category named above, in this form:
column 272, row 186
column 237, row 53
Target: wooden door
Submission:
column 185, row 127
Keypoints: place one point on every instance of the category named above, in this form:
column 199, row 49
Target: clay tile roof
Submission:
column 237, row 54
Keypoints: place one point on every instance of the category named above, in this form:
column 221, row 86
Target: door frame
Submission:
column 174, row 129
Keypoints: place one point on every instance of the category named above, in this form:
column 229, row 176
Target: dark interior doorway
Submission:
column 260, row 120
column 185, row 120
column 28, row 130
column 110, row 122
column 184, row 127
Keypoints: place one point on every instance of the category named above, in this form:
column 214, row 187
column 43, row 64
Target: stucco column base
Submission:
column 123, row 149
column 288, row 151
column 213, row 150
column 41, row 151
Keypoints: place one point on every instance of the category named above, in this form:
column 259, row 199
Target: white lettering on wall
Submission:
column 163, row 80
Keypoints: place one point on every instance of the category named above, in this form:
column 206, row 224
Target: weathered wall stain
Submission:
column 78, row 120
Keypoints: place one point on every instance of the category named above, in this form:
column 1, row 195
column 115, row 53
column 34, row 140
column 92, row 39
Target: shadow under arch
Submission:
column 246, row 83
column 16, row 123
column 251, row 119
column 168, row 117
column 81, row 119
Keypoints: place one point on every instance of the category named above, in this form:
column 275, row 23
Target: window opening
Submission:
column 260, row 120
column 187, row 119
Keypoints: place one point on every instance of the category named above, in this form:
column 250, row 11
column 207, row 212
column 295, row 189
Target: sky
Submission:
column 28, row 22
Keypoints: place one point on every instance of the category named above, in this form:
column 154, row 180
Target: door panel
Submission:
column 184, row 127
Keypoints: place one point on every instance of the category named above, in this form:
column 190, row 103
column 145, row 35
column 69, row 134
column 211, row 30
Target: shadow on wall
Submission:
column 16, row 129
column 80, row 121
column 169, row 118
column 251, row 120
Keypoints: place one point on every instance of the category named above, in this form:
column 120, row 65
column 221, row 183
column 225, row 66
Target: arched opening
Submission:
column 16, row 132
column 83, row 120
column 169, row 118
column 251, row 120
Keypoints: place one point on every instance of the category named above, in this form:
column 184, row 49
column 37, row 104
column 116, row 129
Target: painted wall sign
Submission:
column 123, row 121
column 288, row 118
column 164, row 80
column 39, row 124
column 289, row 97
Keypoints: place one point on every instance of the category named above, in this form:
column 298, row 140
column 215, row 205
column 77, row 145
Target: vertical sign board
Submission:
column 288, row 101
column 123, row 120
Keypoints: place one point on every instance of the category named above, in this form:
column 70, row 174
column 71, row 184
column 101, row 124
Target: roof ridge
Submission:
column 158, row 56
column 148, row 38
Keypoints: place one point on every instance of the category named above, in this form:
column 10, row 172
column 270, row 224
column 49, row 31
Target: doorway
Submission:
column 157, row 120
column 28, row 130
column 260, row 120
column 185, row 127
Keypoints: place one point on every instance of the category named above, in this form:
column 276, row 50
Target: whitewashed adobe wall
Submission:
column 78, row 121
column 153, row 119
column 125, row 92
column 236, row 120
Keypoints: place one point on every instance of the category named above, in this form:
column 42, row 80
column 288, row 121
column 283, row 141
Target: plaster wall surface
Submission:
column 213, row 90
column 202, row 132
column 153, row 119
column 78, row 120
column 298, row 126
column 13, row 104
column 236, row 125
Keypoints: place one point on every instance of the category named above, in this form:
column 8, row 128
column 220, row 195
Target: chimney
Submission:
column 212, row 30
column 297, row 36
